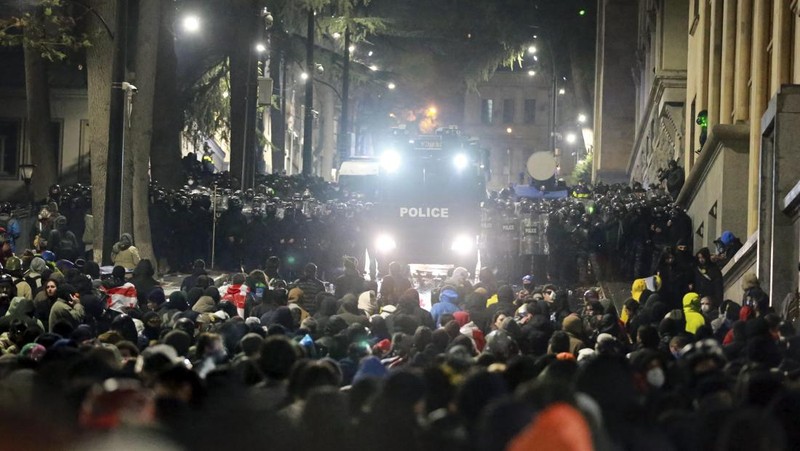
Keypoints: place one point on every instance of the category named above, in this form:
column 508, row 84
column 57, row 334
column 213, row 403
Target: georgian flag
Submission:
column 120, row 297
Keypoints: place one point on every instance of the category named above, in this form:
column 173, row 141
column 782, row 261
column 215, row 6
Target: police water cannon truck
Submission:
column 429, row 190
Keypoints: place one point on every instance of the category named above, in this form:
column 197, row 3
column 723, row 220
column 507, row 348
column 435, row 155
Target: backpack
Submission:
column 66, row 244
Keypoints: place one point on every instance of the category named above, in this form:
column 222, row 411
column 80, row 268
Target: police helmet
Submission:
column 13, row 263
column 235, row 202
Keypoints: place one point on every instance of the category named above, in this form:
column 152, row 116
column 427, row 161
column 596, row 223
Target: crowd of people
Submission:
column 293, row 355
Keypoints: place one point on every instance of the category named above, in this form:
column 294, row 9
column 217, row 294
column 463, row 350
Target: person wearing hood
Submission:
column 176, row 303
column 121, row 293
column 198, row 269
column 124, row 253
column 62, row 241
column 205, row 304
column 460, row 281
column 67, row 308
column 707, row 276
column 328, row 306
column 143, row 280
column 351, row 281
column 35, row 272
column 505, row 302
column 447, row 304
column 349, row 311
column 675, row 277
column 409, row 305
column 152, row 327
column 573, row 326
column 691, row 312
column 21, row 310
column 394, row 284
column 281, row 316
column 236, row 293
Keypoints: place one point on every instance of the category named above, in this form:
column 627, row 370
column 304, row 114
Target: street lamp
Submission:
column 26, row 171
column 531, row 73
column 562, row 91
column 391, row 85
column 581, row 118
column 532, row 49
column 509, row 130
column 261, row 48
column 571, row 138
column 191, row 23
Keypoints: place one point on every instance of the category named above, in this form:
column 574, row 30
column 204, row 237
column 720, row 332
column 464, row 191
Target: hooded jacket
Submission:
column 349, row 311
column 125, row 253
column 559, row 426
column 236, row 294
column 20, row 309
column 62, row 311
column 708, row 277
column 446, row 305
column 691, row 311
column 573, row 326
column 204, row 305
column 143, row 280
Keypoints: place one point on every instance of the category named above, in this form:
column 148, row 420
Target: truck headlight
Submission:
column 460, row 161
column 385, row 243
column 390, row 161
column 462, row 244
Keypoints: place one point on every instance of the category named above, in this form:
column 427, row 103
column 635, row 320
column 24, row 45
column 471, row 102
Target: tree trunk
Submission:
column 243, row 74
column 39, row 125
column 343, row 143
column 141, row 131
column 99, row 75
column 165, row 153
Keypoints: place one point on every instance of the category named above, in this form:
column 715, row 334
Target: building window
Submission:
column 530, row 111
column 508, row 111
column 486, row 111
column 9, row 147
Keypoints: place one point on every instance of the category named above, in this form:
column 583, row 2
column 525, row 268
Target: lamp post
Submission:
column 26, row 172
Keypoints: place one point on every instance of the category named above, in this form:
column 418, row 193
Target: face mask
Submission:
column 656, row 377
column 705, row 308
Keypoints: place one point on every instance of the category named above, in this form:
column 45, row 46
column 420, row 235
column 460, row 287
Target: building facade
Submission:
column 615, row 92
column 659, row 77
column 510, row 114
column 735, row 128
